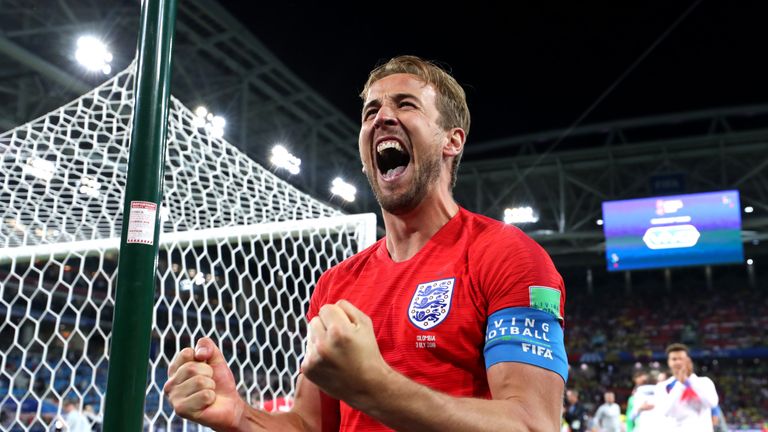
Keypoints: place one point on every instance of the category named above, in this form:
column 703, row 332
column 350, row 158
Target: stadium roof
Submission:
column 531, row 66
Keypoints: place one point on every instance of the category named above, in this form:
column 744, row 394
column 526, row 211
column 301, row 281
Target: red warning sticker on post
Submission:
column 141, row 222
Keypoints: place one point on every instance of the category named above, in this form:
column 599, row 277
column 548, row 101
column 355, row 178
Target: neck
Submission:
column 407, row 233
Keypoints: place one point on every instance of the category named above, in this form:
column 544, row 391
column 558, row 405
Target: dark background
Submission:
column 531, row 66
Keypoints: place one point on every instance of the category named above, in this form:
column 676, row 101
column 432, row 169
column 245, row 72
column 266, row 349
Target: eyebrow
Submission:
column 397, row 97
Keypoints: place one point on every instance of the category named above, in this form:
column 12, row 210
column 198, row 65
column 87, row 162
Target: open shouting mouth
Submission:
column 392, row 158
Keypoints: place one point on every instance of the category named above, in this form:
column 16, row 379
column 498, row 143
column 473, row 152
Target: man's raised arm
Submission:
column 201, row 388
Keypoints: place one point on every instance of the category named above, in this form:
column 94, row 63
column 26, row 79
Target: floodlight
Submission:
column 520, row 215
column 90, row 186
column 213, row 124
column 282, row 158
column 93, row 54
column 218, row 122
column 40, row 168
column 343, row 189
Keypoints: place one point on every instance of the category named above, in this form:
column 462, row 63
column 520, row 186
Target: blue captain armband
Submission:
column 526, row 335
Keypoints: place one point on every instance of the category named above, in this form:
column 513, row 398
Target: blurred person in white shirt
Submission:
column 608, row 415
column 73, row 418
column 685, row 399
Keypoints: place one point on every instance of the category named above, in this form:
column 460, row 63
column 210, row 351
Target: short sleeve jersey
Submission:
column 430, row 312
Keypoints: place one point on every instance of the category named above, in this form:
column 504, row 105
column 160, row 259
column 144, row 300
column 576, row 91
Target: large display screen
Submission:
column 673, row 231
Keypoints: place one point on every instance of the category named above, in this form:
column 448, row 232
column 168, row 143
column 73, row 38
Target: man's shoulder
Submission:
column 701, row 378
column 494, row 241
column 480, row 223
column 488, row 231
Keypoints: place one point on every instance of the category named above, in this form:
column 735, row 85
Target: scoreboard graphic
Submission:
column 673, row 231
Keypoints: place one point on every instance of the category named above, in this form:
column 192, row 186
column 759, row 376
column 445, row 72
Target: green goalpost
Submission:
column 132, row 323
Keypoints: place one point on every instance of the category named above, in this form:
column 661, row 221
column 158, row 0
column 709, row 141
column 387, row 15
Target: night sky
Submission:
column 531, row 66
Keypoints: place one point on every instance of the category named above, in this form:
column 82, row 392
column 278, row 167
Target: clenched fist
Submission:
column 201, row 387
column 342, row 356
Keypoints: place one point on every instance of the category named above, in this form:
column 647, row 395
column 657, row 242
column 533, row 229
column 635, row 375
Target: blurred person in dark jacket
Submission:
column 575, row 413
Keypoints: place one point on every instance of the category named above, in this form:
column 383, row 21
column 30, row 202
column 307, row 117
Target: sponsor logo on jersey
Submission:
column 545, row 299
column 431, row 303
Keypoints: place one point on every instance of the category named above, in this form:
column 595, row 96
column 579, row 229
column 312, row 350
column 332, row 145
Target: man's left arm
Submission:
column 525, row 398
column 344, row 361
column 598, row 418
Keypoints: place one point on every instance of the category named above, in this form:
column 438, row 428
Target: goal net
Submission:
column 240, row 251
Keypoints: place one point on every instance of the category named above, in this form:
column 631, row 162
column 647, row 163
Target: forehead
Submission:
column 678, row 354
column 400, row 83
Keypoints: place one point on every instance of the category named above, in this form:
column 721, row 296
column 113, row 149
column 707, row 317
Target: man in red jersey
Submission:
column 452, row 322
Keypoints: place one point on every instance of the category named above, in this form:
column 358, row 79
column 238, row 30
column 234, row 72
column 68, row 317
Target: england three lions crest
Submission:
column 431, row 303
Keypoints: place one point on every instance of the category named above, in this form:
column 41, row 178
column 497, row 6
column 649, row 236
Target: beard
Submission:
column 403, row 202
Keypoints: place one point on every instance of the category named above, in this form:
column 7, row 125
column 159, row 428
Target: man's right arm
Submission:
column 201, row 388
column 705, row 390
column 304, row 416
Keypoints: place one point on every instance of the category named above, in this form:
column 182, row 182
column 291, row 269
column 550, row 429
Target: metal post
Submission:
column 132, row 323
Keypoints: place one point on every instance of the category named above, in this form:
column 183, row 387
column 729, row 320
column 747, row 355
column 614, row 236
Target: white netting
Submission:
column 240, row 253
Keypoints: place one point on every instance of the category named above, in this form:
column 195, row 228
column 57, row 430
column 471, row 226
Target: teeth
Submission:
column 389, row 144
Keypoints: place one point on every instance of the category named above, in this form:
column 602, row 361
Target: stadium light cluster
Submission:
column 520, row 215
column 39, row 168
column 343, row 189
column 282, row 158
column 749, row 209
column 93, row 54
column 90, row 186
column 213, row 124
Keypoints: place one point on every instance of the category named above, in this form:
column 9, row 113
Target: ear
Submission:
column 455, row 143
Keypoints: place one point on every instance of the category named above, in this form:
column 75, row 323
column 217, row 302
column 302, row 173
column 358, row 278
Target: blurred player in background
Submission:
column 640, row 414
column 685, row 399
column 575, row 413
column 74, row 420
column 608, row 415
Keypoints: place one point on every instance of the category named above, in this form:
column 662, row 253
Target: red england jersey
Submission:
column 430, row 312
